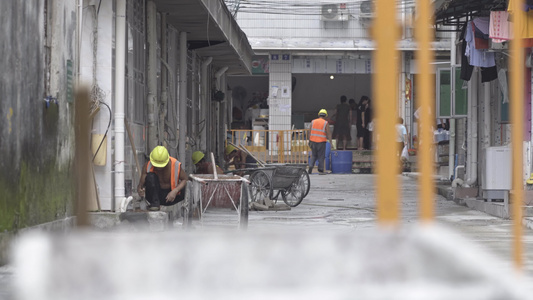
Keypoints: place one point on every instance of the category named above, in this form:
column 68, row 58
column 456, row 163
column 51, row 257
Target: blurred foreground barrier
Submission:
column 423, row 262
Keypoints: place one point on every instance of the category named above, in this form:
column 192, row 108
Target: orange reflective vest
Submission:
column 318, row 131
column 174, row 171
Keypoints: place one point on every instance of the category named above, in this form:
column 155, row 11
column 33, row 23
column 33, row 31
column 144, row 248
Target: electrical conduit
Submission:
column 120, row 64
column 473, row 135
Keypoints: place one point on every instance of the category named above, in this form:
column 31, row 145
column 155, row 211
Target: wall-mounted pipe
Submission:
column 457, row 179
column 473, row 136
column 451, row 148
column 204, row 104
column 183, row 99
column 151, row 101
column 164, row 80
column 486, row 141
column 218, row 74
column 451, row 151
column 120, row 73
column 194, row 98
column 220, row 114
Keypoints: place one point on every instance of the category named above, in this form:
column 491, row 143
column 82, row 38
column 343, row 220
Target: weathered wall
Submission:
column 36, row 144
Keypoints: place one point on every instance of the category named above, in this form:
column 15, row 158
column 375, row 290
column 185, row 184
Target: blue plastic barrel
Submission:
column 328, row 157
column 341, row 162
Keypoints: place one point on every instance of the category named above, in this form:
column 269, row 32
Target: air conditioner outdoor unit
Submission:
column 498, row 168
column 366, row 10
column 335, row 12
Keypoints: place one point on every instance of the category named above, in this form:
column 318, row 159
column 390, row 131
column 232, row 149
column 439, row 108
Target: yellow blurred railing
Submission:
column 274, row 146
column 386, row 33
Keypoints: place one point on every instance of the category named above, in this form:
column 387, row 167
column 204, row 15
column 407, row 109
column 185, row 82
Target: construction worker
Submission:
column 202, row 165
column 163, row 180
column 318, row 137
column 239, row 158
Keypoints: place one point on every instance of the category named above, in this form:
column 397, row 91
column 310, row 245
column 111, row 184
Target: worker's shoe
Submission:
column 153, row 208
column 322, row 172
column 310, row 170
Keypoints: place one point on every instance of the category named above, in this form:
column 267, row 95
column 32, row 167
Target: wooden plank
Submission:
column 260, row 162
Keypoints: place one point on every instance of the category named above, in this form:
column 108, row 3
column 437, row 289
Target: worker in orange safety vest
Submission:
column 318, row 137
column 162, row 180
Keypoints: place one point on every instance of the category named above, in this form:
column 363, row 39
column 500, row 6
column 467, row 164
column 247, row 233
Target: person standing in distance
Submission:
column 162, row 181
column 341, row 129
column 318, row 137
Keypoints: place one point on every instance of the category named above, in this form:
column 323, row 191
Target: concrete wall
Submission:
column 96, row 68
column 36, row 142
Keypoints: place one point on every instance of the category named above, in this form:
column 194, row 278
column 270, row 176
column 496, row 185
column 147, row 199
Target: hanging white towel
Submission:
column 502, row 78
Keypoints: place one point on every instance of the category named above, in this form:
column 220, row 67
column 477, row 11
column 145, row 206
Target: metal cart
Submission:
column 291, row 181
column 204, row 190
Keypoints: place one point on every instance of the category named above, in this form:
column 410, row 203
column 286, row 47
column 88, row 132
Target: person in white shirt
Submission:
column 401, row 137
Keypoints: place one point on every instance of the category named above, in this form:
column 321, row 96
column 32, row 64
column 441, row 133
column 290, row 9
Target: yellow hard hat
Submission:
column 197, row 156
column 159, row 157
column 229, row 149
column 323, row 112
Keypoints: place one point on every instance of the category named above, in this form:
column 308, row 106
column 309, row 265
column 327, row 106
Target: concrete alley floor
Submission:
column 346, row 204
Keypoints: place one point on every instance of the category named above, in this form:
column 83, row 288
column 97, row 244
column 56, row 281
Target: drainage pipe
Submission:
column 204, row 102
column 220, row 114
column 194, row 99
column 120, row 73
column 164, row 79
column 451, row 151
column 183, row 98
column 451, row 146
column 151, row 101
column 486, row 142
column 473, row 137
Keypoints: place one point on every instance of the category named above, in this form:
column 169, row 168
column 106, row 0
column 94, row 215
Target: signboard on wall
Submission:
column 327, row 65
column 260, row 65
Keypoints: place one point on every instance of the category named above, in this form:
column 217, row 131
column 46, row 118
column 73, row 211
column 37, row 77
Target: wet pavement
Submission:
column 346, row 203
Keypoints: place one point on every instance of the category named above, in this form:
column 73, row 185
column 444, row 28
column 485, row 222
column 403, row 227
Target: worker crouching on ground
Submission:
column 318, row 137
column 202, row 165
column 163, row 181
column 239, row 158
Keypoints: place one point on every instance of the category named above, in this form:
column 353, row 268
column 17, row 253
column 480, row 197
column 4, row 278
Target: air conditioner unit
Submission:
column 498, row 168
column 366, row 9
column 335, row 12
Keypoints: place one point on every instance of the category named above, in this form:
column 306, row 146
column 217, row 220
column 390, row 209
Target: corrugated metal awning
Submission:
column 211, row 31
column 452, row 12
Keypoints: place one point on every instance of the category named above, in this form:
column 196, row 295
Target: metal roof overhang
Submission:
column 211, row 31
column 453, row 12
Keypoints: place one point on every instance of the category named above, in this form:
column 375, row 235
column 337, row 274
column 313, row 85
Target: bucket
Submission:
column 341, row 162
column 328, row 157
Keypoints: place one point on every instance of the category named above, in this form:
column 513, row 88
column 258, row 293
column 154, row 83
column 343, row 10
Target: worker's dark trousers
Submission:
column 318, row 153
column 155, row 195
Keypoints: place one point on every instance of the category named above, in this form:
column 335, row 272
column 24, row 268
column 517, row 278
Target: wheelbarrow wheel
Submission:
column 260, row 186
column 294, row 195
column 306, row 181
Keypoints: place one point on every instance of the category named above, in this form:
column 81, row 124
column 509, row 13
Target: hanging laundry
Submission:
column 489, row 74
column 477, row 57
column 480, row 26
column 500, row 30
column 502, row 79
column 527, row 28
column 466, row 68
